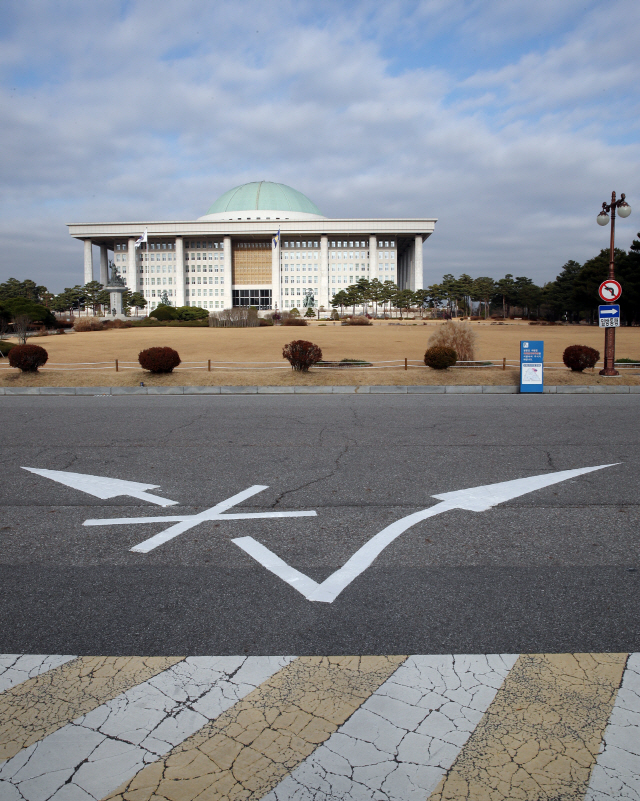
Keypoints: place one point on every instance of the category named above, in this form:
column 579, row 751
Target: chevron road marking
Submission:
column 475, row 499
column 500, row 727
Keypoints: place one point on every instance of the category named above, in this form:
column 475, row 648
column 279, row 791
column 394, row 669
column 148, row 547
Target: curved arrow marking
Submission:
column 476, row 499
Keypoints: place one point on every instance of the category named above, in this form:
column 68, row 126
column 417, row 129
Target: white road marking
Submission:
column 16, row 668
column 189, row 521
column 102, row 487
column 404, row 737
column 477, row 499
column 616, row 774
column 91, row 756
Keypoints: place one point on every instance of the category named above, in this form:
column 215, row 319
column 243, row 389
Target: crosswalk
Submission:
column 285, row 728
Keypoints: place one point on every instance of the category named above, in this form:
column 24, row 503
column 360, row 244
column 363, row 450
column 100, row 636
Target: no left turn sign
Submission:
column 610, row 291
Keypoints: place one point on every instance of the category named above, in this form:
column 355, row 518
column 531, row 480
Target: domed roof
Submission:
column 264, row 196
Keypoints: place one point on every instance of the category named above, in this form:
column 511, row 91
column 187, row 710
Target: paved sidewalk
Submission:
column 398, row 728
column 454, row 389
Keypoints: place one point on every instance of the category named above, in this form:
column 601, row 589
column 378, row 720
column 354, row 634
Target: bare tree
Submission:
column 21, row 324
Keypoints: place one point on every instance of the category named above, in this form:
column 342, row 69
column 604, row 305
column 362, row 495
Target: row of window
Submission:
column 152, row 281
column 295, row 291
column 202, row 292
column 203, row 280
column 304, row 279
column 210, row 245
column 212, row 269
column 285, row 269
column 286, row 256
column 151, row 293
column 203, row 256
column 152, row 257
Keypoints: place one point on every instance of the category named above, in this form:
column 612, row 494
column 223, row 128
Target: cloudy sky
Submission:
column 509, row 121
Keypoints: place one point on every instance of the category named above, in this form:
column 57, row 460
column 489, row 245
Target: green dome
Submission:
column 263, row 195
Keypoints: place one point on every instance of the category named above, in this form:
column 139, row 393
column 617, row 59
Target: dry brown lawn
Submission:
column 378, row 343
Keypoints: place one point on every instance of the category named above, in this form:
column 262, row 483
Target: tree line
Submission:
column 572, row 296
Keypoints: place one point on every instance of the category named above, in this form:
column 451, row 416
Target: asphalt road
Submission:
column 553, row 570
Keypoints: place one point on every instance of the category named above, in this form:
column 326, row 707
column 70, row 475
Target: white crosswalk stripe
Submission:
column 16, row 668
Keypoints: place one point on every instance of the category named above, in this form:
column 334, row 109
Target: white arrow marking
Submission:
column 476, row 499
column 101, row 487
column 185, row 522
column 608, row 311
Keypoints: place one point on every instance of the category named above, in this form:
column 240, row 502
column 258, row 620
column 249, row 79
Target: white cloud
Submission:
column 154, row 112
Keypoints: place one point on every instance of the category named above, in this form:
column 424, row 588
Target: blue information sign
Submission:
column 609, row 316
column 531, row 360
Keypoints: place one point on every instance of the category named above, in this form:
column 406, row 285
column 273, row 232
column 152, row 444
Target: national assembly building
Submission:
column 261, row 244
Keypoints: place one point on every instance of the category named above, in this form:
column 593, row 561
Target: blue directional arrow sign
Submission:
column 609, row 316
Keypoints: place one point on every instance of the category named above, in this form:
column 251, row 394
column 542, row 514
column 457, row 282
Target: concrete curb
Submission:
column 596, row 389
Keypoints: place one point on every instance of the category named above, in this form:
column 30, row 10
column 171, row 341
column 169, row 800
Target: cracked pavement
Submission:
column 528, row 727
column 522, row 679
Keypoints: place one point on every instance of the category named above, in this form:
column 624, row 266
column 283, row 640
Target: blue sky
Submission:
column 510, row 122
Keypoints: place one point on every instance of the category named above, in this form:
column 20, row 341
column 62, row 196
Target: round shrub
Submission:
column 294, row 321
column 301, row 355
column 439, row 357
column 28, row 357
column 579, row 357
column 159, row 360
column 164, row 313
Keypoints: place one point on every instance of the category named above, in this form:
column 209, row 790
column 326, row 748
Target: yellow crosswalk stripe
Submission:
column 539, row 739
column 492, row 727
column 252, row 746
column 37, row 707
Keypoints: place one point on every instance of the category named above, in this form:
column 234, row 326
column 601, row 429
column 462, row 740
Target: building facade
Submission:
column 233, row 256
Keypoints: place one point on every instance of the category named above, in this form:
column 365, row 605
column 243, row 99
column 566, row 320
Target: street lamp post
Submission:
column 624, row 210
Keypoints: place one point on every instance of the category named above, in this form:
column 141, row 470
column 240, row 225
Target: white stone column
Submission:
column 132, row 274
column 228, row 273
column 179, row 298
column 324, row 286
column 104, row 265
column 276, row 287
column 88, row 261
column 417, row 261
column 373, row 258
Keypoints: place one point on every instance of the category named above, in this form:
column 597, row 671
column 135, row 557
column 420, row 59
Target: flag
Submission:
column 276, row 240
column 142, row 239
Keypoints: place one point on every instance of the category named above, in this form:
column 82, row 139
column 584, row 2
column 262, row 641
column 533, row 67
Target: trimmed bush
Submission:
column 88, row 324
column 28, row 357
column 164, row 313
column 440, row 357
column 159, row 360
column 579, row 357
column 294, row 321
column 109, row 324
column 310, row 312
column 5, row 347
column 358, row 320
column 264, row 322
column 301, row 355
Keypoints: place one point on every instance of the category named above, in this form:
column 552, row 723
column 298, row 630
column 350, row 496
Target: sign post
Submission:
column 531, row 366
